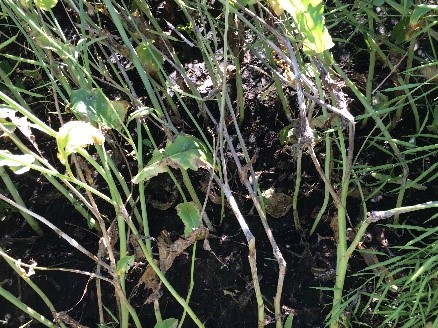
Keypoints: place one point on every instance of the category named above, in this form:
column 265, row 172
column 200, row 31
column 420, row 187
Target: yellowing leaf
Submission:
column 276, row 7
column 309, row 17
column 74, row 135
column 46, row 4
column 121, row 107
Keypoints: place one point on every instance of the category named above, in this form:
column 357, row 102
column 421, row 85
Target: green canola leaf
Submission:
column 399, row 33
column 309, row 16
column 94, row 106
column 18, row 164
column 420, row 11
column 46, row 4
column 186, row 152
column 168, row 323
column 155, row 166
column 150, row 59
column 190, row 215
column 74, row 135
column 124, row 264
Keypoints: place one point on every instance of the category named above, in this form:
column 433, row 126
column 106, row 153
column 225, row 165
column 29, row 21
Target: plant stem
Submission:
column 14, row 192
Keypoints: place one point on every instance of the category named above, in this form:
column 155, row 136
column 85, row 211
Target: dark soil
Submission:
column 222, row 294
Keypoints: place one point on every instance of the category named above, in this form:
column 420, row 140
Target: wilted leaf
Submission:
column 94, row 106
column 168, row 323
column 169, row 252
column 151, row 281
column 46, row 4
column 19, row 164
column 190, row 215
column 277, row 204
column 74, row 135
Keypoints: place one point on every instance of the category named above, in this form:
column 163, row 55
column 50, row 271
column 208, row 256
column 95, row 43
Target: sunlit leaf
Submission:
column 190, row 215
column 276, row 6
column 140, row 113
column 168, row 323
column 74, row 135
column 94, row 106
column 46, row 4
column 309, row 16
column 186, row 152
column 18, row 164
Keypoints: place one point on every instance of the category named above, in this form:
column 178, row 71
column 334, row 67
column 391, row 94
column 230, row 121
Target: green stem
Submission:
column 297, row 191
column 26, row 308
column 14, row 192
column 162, row 277
column 119, row 208
column 192, row 283
column 15, row 265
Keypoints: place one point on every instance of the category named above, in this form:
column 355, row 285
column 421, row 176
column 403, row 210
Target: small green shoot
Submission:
column 124, row 264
